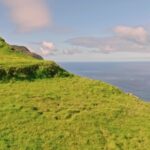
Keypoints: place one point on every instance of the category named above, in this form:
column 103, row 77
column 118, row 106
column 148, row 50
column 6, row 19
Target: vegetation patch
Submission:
column 20, row 65
column 32, row 71
column 71, row 113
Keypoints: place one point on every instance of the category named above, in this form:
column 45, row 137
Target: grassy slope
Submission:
column 70, row 113
column 7, row 57
column 17, row 65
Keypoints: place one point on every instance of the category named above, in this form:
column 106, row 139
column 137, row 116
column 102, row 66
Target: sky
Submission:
column 79, row 30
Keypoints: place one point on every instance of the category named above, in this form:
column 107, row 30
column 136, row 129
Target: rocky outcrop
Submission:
column 25, row 50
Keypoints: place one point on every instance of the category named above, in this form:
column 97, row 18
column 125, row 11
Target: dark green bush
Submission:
column 50, row 70
column 46, row 70
column 2, row 73
column 39, row 70
column 2, row 42
column 21, row 72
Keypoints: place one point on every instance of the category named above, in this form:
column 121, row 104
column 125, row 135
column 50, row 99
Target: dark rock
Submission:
column 25, row 50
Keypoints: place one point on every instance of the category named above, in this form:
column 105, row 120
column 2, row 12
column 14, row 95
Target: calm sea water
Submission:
column 132, row 77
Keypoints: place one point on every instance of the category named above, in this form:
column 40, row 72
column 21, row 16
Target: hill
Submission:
column 17, row 62
column 15, row 49
column 22, row 49
column 69, row 113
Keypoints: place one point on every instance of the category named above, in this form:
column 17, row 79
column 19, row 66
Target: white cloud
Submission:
column 132, row 33
column 123, row 39
column 72, row 51
column 29, row 14
column 48, row 45
column 47, row 48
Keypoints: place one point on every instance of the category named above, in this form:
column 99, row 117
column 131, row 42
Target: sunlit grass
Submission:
column 65, row 112
column 71, row 113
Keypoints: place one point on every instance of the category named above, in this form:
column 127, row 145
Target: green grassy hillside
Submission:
column 69, row 113
column 21, row 65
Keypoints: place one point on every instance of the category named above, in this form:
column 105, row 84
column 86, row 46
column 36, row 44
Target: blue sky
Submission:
column 79, row 30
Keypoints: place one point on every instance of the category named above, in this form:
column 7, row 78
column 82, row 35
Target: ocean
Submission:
column 132, row 77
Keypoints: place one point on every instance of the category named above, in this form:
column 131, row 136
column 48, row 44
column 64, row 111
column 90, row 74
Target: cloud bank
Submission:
column 29, row 14
column 123, row 39
column 138, row 34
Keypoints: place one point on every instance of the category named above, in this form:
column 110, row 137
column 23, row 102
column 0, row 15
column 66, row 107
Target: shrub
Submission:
column 32, row 71
column 2, row 73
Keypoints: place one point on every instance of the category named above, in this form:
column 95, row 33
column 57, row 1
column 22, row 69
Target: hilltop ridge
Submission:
column 25, row 50
column 14, row 49
column 17, row 62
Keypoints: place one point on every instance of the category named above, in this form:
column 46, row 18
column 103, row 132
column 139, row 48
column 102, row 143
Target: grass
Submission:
column 65, row 112
column 70, row 114
column 20, row 66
